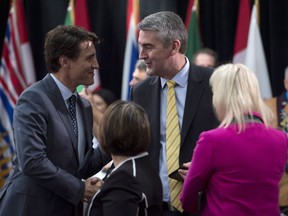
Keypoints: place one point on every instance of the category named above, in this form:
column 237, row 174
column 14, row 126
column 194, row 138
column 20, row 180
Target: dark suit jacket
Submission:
column 198, row 111
column 132, row 188
column 46, row 176
column 279, row 107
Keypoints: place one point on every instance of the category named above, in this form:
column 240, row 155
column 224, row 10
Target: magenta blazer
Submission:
column 239, row 172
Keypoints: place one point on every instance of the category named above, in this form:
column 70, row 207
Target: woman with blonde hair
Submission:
column 237, row 166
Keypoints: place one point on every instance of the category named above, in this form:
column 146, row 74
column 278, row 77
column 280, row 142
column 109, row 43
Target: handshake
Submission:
column 92, row 185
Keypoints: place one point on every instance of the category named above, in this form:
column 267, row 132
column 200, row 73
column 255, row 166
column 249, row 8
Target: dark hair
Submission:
column 107, row 95
column 124, row 129
column 207, row 51
column 65, row 40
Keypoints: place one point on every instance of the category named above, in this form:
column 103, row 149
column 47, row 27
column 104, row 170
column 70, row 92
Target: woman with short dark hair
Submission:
column 133, row 187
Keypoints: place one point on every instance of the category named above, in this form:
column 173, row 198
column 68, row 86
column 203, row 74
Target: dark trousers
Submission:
column 168, row 212
column 173, row 213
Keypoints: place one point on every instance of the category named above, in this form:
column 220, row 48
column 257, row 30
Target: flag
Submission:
column 242, row 30
column 255, row 56
column 16, row 73
column 192, row 25
column 78, row 14
column 131, row 49
column 82, row 14
column 70, row 16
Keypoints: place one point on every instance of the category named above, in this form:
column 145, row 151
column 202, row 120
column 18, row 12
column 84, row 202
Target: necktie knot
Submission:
column 72, row 100
column 171, row 84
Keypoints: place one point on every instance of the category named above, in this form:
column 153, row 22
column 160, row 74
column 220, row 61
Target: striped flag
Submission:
column 242, row 30
column 194, row 38
column 255, row 56
column 16, row 73
column 131, row 49
column 78, row 14
column 248, row 48
column 82, row 14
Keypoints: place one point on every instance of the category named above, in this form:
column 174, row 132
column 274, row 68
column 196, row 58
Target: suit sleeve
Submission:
column 198, row 174
column 96, row 161
column 30, row 130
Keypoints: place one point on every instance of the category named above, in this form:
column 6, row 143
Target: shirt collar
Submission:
column 181, row 78
column 65, row 92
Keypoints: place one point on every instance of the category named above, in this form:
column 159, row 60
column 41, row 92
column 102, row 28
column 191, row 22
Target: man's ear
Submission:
column 175, row 46
column 64, row 61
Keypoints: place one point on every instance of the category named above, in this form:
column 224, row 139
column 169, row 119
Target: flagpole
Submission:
column 136, row 10
column 257, row 4
column 72, row 11
column 196, row 2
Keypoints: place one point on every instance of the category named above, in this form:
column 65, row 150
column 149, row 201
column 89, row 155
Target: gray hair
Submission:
column 140, row 65
column 169, row 27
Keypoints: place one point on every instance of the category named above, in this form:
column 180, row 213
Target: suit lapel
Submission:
column 195, row 90
column 153, row 108
column 60, row 106
column 86, row 112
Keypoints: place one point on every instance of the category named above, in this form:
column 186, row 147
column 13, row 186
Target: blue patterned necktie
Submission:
column 72, row 112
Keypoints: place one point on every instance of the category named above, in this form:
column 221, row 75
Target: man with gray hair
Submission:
column 279, row 106
column 139, row 73
column 175, row 93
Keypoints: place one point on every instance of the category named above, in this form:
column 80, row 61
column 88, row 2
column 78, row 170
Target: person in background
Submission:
column 53, row 133
column 100, row 100
column 103, row 98
column 238, row 166
column 139, row 73
column 279, row 106
column 163, row 41
column 206, row 57
column 133, row 187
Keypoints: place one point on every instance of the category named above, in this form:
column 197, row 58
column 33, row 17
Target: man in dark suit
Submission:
column 279, row 106
column 52, row 154
column 163, row 40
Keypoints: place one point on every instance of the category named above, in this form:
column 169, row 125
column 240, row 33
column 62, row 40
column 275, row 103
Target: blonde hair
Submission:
column 236, row 94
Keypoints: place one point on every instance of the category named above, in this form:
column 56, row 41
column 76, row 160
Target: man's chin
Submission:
column 88, row 83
